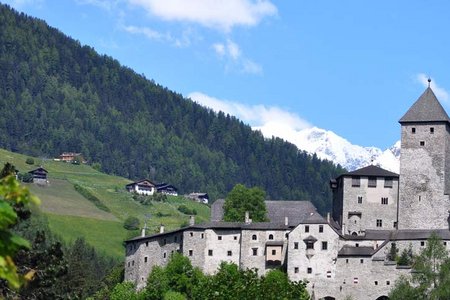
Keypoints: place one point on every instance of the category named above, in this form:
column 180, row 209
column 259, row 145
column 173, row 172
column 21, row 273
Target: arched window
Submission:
column 254, row 237
column 270, row 236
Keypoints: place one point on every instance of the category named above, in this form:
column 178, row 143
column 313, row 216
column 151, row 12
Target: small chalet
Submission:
column 71, row 157
column 39, row 175
column 141, row 187
column 167, row 189
column 199, row 197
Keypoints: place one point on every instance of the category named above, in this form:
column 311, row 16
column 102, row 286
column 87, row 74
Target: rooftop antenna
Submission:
column 429, row 81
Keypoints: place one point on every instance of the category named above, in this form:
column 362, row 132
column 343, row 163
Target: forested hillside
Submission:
column 56, row 96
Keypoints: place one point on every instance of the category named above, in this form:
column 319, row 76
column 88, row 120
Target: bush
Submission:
column 26, row 177
column 186, row 210
column 29, row 161
column 131, row 223
column 91, row 197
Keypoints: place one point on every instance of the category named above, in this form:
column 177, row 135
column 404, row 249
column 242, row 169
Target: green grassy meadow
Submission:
column 70, row 215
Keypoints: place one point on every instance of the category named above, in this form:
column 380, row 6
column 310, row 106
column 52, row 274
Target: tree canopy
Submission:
column 241, row 200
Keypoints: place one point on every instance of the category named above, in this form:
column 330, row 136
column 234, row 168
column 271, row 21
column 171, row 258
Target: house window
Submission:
column 309, row 245
column 210, row 252
column 431, row 130
column 229, row 253
column 384, row 200
column 191, row 233
column 356, row 181
column 309, row 270
column 254, row 251
column 422, row 243
column 388, row 182
column 372, row 181
column 270, row 236
column 296, row 270
column 274, row 252
column 422, row 143
column 324, row 245
column 254, row 237
column 191, row 252
column 145, row 259
column 320, row 228
column 219, row 237
column 295, row 245
column 306, row 228
column 361, row 260
column 413, row 130
column 359, row 199
column 379, row 223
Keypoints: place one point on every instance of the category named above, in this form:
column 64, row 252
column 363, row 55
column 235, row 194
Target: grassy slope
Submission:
column 70, row 215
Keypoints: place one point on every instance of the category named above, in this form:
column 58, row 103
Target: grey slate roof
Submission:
column 371, row 171
column 356, row 251
column 426, row 109
column 296, row 211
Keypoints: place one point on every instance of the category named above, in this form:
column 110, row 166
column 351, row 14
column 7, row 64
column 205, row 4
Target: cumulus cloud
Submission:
column 271, row 121
column 217, row 14
column 440, row 92
column 233, row 54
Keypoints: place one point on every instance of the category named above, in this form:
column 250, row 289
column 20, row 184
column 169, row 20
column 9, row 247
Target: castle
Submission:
column 347, row 252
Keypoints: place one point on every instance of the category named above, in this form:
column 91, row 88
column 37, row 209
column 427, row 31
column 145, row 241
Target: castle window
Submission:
column 309, row 270
column 388, row 182
column 376, row 282
column 324, row 245
column 210, row 252
column 431, row 130
column 191, row 252
column 270, row 236
column 296, row 270
column 219, row 237
column 355, row 280
column 203, row 235
column 128, row 264
column 254, row 251
column 320, row 228
column 164, row 255
column 422, row 143
column 413, row 130
column 164, row 241
column 309, row 244
column 361, row 260
column 274, row 252
column 356, row 245
column 235, row 237
column 146, row 244
column 422, row 243
column 328, row 274
column 359, row 199
column 175, row 239
column 306, row 228
column 384, row 200
column 229, row 253
column 356, row 181
column 346, row 260
column 295, row 245
column 254, row 237
column 395, row 224
column 445, row 243
column 145, row 259
column 388, row 282
column 379, row 223
column 191, row 233
column 372, row 181
column 132, row 263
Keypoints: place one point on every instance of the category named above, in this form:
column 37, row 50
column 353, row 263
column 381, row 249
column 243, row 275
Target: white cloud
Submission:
column 271, row 121
column 217, row 14
column 440, row 92
column 21, row 3
column 251, row 67
column 233, row 54
column 148, row 32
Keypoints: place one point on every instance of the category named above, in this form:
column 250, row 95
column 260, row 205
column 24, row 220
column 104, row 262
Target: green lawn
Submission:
column 71, row 215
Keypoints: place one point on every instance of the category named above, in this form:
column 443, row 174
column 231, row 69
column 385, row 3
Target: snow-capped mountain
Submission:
column 328, row 145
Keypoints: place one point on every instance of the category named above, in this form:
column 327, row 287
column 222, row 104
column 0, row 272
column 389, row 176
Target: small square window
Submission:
column 270, row 236
column 203, row 235
column 379, row 223
column 413, row 130
column 191, row 252
column 361, row 260
column 306, row 228
column 219, row 237
column 422, row 143
column 376, row 282
column 164, row 255
column 229, row 253
column 309, row 270
column 346, row 260
column 384, row 200
column 191, row 233
column 235, row 238
column 274, row 252
column 445, row 243
column 356, row 245
column 145, row 259
column 372, row 181
column 254, row 237
column 320, row 228
column 422, row 243
column 295, row 245
column 324, row 245
column 210, row 252
column 254, row 251
column 356, row 181
column 309, row 245
column 395, row 224
column 431, row 130
column 388, row 182
column 359, row 199
column 388, row 282
column 146, row 244
column 296, row 270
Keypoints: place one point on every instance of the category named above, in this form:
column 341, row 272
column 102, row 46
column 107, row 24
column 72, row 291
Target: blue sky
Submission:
column 353, row 67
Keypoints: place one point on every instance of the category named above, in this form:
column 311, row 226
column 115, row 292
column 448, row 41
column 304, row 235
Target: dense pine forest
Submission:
column 57, row 95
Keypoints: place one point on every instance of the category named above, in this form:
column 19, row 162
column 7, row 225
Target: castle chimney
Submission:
column 286, row 221
column 161, row 228
column 247, row 218
column 143, row 232
column 191, row 220
column 328, row 218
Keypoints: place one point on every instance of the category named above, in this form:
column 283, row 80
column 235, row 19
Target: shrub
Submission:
column 186, row 210
column 26, row 177
column 91, row 197
column 29, row 161
column 131, row 223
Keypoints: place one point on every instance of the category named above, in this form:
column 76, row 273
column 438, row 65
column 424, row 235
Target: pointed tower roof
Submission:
column 426, row 109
